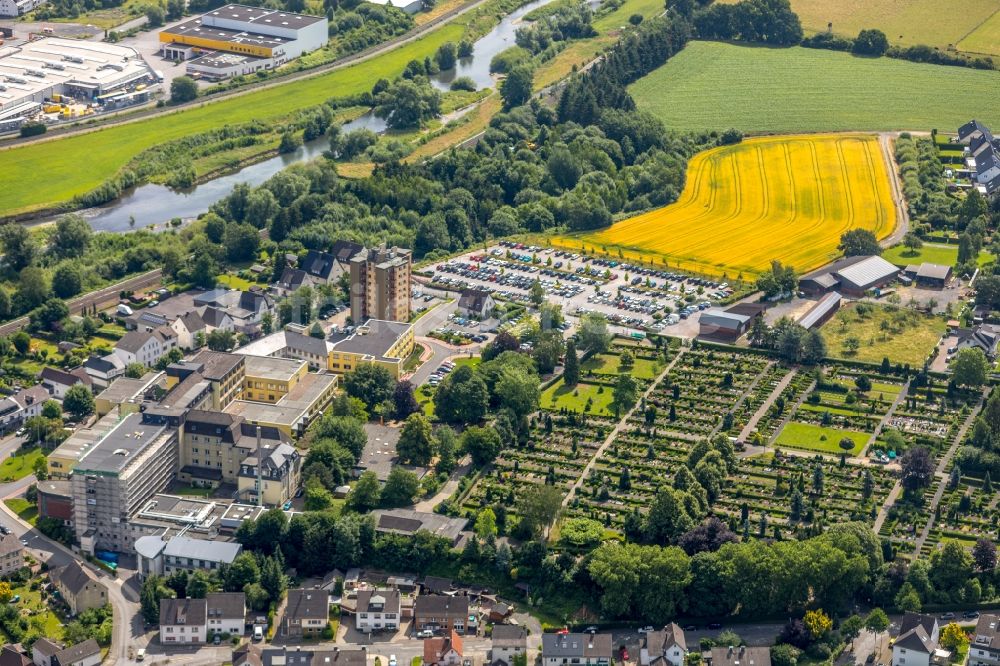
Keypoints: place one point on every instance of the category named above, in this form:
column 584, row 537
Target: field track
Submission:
column 787, row 198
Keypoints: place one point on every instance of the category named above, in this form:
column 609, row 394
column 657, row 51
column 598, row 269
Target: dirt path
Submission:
column 766, row 405
column 885, row 419
column 617, row 429
column 885, row 140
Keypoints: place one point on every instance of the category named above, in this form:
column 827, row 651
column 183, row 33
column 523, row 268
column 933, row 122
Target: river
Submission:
column 153, row 206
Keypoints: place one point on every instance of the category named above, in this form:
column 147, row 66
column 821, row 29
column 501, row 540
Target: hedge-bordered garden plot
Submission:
column 702, row 387
column 767, row 484
column 784, row 405
column 845, row 407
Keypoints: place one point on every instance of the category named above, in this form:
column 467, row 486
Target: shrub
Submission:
column 33, row 129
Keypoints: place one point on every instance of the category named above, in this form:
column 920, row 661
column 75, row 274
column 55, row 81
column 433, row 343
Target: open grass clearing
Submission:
column 576, row 398
column 785, row 198
column 17, row 467
column 609, row 364
column 697, row 90
column 817, row 438
column 932, row 253
column 909, row 338
column 985, row 38
column 24, row 509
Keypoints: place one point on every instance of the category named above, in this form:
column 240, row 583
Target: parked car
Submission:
column 258, row 634
column 392, row 660
column 140, row 654
column 425, row 633
column 590, row 630
column 646, row 630
column 970, row 615
column 948, row 616
column 715, row 625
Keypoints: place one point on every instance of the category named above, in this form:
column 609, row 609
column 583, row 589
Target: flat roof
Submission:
column 126, row 388
column 81, row 440
column 121, row 445
column 221, row 60
column 196, row 28
column 203, row 549
column 272, row 367
column 264, row 17
column 289, row 410
column 265, row 346
column 37, row 66
column 373, row 338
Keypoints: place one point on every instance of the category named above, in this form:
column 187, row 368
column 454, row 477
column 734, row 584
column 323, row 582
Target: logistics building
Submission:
column 237, row 39
column 110, row 75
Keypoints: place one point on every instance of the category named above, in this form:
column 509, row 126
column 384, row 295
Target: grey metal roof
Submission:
column 933, row 271
column 822, row 308
column 202, row 549
column 868, row 271
column 722, row 319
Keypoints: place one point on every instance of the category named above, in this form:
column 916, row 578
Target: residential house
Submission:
column 377, row 610
column 476, row 303
column 43, row 650
column 57, row 382
column 31, row 400
column 985, row 337
column 984, row 650
column 146, row 347
column 982, row 156
column 217, row 320
column 11, row 415
column 740, row 656
column 79, row 588
column 85, row 653
column 576, row 649
column 917, row 641
column 14, row 654
column 244, row 310
column 183, row 620
column 436, row 585
column 443, row 650
column 307, row 613
column 187, row 327
column 509, row 641
column 250, row 655
column 226, row 613
column 291, row 280
column 11, row 554
column 408, row 522
column 440, row 612
column 665, row 647
column 104, row 369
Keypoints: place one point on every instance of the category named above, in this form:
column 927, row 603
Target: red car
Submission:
column 623, row 653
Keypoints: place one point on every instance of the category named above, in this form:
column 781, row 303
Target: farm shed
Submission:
column 931, row 276
column 824, row 308
column 852, row 276
column 723, row 326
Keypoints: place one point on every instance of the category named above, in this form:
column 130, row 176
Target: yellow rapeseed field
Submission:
column 787, row 198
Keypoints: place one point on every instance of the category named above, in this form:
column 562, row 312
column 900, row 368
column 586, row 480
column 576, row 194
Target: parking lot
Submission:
column 630, row 296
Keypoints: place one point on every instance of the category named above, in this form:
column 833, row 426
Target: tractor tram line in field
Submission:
column 776, row 197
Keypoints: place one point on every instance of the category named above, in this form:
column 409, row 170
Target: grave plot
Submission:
column 783, row 405
column 792, row 495
column 555, row 456
column 967, row 512
column 701, row 388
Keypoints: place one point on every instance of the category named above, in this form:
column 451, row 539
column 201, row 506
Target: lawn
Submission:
column 817, row 438
column 18, row 467
column 560, row 396
column 786, row 198
column 908, row 336
column 933, row 253
column 607, row 364
column 234, row 281
column 24, row 509
column 105, row 151
column 778, row 90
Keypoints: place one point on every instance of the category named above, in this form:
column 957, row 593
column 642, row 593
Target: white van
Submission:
column 140, row 654
column 258, row 633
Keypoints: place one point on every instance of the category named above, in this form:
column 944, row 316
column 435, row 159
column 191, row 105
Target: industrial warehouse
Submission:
column 68, row 77
column 236, row 39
